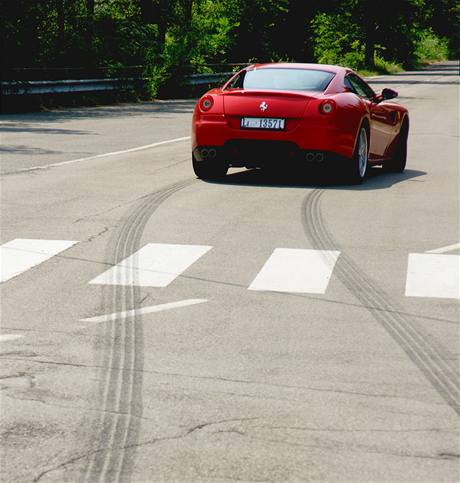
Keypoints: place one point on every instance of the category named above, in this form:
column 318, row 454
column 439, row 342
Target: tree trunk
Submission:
column 370, row 50
column 188, row 6
column 60, row 20
column 89, row 34
column 147, row 11
column 59, row 49
column 369, row 33
column 90, row 8
column 161, row 19
column 299, row 17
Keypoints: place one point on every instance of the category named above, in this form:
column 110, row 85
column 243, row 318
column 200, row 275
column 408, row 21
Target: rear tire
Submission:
column 209, row 170
column 397, row 164
column 357, row 168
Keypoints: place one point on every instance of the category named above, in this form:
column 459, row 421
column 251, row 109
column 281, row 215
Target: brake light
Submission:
column 206, row 103
column 327, row 107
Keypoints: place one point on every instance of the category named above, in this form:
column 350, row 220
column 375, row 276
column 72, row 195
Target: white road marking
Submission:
column 433, row 275
column 8, row 337
column 296, row 270
column 448, row 248
column 154, row 265
column 21, row 254
column 104, row 155
column 144, row 310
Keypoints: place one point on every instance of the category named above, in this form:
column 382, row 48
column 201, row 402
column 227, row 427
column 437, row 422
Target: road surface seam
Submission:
column 428, row 355
column 121, row 391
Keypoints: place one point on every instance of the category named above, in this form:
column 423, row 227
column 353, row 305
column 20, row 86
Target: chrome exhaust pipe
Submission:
column 319, row 157
column 212, row 153
column 310, row 156
column 204, row 153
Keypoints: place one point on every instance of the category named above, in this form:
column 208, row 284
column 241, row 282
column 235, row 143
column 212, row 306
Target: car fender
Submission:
column 403, row 118
column 352, row 112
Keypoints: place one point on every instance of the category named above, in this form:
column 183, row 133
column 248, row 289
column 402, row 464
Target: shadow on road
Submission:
column 450, row 69
column 449, row 72
column 29, row 150
column 149, row 109
column 26, row 127
column 376, row 179
column 400, row 81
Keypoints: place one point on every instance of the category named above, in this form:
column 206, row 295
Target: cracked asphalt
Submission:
column 360, row 383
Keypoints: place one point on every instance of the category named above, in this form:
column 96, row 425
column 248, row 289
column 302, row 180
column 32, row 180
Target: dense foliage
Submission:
column 170, row 37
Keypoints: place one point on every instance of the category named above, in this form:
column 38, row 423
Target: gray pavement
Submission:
column 359, row 383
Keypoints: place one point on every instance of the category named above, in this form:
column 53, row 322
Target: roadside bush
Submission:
column 335, row 39
column 338, row 40
column 431, row 48
column 190, row 47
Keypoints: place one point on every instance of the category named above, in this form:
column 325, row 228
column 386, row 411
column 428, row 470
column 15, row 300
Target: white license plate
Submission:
column 262, row 123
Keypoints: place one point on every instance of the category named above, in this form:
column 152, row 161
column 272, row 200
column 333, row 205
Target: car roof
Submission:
column 291, row 65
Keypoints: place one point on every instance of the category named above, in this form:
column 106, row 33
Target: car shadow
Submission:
column 377, row 178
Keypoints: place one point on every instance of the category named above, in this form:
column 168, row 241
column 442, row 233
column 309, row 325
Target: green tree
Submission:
column 360, row 29
column 167, row 36
column 443, row 17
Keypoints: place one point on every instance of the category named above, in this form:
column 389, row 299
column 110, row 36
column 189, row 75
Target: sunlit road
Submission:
column 156, row 327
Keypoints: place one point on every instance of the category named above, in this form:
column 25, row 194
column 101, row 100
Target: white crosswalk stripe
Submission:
column 21, row 254
column 296, row 270
column 433, row 275
column 10, row 337
column 154, row 265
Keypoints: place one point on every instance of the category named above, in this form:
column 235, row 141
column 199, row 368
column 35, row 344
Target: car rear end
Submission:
column 267, row 115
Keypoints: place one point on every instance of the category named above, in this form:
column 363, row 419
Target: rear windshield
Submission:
column 283, row 79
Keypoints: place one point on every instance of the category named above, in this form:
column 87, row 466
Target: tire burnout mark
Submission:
column 427, row 354
column 115, row 433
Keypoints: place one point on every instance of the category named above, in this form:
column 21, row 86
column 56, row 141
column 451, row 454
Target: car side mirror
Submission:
column 388, row 94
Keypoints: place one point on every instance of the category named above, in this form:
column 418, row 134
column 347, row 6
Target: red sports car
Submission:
column 275, row 115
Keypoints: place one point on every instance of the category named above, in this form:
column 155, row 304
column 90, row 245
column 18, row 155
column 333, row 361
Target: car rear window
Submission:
column 283, row 79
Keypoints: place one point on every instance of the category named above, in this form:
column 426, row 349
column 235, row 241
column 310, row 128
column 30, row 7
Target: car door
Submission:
column 382, row 118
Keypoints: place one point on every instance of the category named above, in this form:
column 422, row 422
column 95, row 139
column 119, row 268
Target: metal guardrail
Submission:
column 12, row 88
column 63, row 86
column 200, row 79
column 17, row 88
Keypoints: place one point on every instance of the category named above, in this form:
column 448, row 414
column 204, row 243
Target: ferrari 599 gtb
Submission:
column 283, row 115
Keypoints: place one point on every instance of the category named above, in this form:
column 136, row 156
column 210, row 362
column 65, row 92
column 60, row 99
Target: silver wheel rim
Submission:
column 362, row 153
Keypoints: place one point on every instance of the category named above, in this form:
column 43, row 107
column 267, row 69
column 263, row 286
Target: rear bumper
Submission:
column 256, row 153
column 315, row 136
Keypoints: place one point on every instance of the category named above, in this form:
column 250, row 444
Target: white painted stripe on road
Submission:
column 448, row 248
column 21, row 254
column 144, row 310
column 8, row 337
column 296, row 270
column 433, row 275
column 104, row 155
column 154, row 265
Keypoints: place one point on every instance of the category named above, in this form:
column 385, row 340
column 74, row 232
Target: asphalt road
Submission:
column 348, row 372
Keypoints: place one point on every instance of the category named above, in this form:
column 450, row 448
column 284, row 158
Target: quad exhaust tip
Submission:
column 318, row 157
column 208, row 153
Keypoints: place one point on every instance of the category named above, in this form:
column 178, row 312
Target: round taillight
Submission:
column 326, row 107
column 206, row 103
